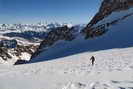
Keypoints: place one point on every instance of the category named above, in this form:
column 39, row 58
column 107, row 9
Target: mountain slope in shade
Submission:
column 116, row 32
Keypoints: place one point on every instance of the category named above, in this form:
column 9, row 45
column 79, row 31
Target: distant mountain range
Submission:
column 19, row 41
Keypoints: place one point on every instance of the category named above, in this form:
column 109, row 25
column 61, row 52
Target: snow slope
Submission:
column 113, row 70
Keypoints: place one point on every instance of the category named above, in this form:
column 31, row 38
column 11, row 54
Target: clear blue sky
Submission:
column 33, row 11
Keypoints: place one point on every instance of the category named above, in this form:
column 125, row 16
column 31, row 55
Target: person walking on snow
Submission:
column 92, row 60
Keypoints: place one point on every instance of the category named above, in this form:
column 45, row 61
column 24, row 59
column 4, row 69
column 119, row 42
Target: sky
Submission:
column 33, row 11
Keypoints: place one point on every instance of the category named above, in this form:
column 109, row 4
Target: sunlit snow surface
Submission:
column 113, row 67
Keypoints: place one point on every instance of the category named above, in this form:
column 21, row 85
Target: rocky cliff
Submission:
column 11, row 51
column 94, row 29
column 109, row 6
column 60, row 33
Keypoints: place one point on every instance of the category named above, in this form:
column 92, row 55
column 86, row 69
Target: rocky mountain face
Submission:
column 60, row 33
column 11, row 51
column 107, row 8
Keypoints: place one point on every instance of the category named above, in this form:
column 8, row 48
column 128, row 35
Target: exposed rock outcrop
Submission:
column 18, row 62
column 107, row 7
column 10, row 49
column 56, row 34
